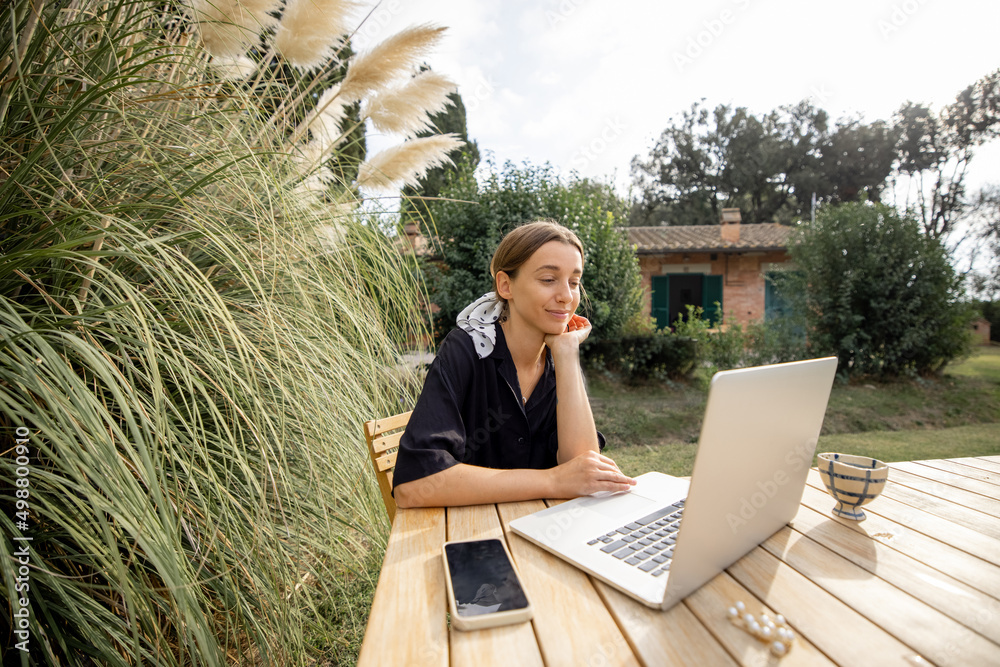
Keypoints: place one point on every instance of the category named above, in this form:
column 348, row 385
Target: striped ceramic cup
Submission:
column 853, row 481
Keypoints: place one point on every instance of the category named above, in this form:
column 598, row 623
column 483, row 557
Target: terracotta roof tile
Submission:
column 764, row 236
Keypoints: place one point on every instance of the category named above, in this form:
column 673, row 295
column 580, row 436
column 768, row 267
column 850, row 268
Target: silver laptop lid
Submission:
column 757, row 442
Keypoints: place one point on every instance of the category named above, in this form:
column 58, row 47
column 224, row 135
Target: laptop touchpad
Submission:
column 616, row 506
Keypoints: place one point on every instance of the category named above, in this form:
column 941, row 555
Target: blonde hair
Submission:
column 521, row 243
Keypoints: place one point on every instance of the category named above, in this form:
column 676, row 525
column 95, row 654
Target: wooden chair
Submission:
column 382, row 436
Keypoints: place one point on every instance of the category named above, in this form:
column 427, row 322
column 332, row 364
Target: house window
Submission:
column 674, row 292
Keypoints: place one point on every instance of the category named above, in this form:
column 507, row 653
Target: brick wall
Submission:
column 742, row 285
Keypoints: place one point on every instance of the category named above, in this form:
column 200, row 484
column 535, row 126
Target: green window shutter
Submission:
column 660, row 298
column 711, row 292
column 774, row 305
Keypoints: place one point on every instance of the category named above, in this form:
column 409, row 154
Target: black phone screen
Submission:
column 482, row 578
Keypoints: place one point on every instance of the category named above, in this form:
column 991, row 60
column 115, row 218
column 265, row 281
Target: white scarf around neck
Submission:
column 479, row 319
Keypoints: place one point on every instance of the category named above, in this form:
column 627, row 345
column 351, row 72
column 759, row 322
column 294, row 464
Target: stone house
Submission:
column 702, row 265
column 981, row 331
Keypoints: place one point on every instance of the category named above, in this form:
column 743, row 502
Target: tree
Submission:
column 985, row 216
column 768, row 166
column 877, row 292
column 854, row 163
column 467, row 233
column 451, row 120
column 934, row 152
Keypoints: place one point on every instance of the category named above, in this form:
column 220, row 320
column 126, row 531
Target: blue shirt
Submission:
column 470, row 411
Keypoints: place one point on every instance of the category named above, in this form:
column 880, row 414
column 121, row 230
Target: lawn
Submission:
column 957, row 414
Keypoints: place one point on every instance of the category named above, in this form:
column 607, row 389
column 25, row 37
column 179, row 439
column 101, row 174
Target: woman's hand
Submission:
column 577, row 331
column 588, row 473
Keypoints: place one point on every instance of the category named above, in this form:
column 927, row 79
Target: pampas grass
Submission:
column 392, row 59
column 407, row 109
column 307, row 37
column 311, row 31
column 229, row 27
column 233, row 68
column 324, row 121
column 406, row 163
column 192, row 346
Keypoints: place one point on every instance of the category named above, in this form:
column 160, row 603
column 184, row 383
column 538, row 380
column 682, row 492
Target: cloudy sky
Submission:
column 587, row 85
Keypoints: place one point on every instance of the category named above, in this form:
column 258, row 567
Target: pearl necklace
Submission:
column 776, row 632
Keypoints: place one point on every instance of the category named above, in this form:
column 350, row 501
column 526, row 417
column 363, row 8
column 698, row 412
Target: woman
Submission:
column 487, row 427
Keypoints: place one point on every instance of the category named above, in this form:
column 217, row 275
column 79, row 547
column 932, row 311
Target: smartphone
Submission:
column 484, row 590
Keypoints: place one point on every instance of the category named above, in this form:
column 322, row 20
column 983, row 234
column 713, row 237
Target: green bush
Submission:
column 738, row 346
column 776, row 341
column 636, row 359
column 877, row 292
column 474, row 216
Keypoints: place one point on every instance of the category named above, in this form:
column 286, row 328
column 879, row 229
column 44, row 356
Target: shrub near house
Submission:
column 877, row 292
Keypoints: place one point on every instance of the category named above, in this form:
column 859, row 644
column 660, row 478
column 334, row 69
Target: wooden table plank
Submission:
column 572, row 624
column 930, row 633
column 934, row 526
column 673, row 637
column 503, row 646
column 989, row 464
column 966, row 471
column 938, row 484
column 969, row 569
column 980, row 522
column 709, row 604
column 961, row 602
column 842, row 634
column 407, row 625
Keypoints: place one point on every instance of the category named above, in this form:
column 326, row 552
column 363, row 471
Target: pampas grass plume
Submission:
column 307, row 157
column 407, row 163
column 324, row 121
column 232, row 69
column 311, row 31
column 408, row 108
column 393, row 58
column 315, row 183
column 229, row 27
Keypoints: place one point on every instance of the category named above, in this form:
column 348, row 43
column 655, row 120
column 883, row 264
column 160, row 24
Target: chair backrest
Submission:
column 382, row 436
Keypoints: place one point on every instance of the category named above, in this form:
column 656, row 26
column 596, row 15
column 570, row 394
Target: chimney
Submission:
column 413, row 236
column 731, row 226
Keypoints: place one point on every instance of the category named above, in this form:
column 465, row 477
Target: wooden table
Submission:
column 917, row 583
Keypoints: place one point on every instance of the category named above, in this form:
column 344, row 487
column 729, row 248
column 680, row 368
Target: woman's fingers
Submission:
column 592, row 472
column 613, row 466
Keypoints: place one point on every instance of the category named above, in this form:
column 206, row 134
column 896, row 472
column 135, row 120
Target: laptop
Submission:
column 666, row 537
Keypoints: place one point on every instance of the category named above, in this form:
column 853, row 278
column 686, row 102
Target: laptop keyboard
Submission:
column 646, row 543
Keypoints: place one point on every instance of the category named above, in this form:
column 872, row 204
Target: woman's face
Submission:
column 546, row 290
